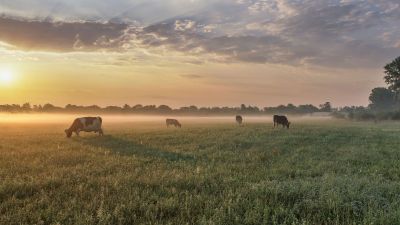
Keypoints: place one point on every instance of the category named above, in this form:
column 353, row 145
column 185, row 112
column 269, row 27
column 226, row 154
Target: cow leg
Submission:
column 101, row 133
column 77, row 133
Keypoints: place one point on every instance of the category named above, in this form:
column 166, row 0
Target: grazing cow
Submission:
column 281, row 120
column 173, row 122
column 239, row 119
column 86, row 124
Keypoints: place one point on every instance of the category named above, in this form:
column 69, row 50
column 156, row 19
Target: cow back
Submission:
column 172, row 122
column 91, row 123
column 281, row 120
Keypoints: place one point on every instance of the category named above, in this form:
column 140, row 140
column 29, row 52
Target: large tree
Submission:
column 382, row 99
column 392, row 77
column 326, row 107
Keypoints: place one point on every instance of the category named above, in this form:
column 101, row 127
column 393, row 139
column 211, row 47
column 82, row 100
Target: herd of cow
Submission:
column 94, row 124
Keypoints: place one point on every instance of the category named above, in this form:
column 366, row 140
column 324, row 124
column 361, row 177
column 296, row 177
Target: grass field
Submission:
column 318, row 172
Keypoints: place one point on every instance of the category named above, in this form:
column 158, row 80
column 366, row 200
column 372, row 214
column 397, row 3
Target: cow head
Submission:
column 68, row 132
column 179, row 125
column 287, row 125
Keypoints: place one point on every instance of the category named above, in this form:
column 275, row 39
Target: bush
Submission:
column 338, row 115
column 362, row 116
column 384, row 116
column 395, row 115
column 367, row 115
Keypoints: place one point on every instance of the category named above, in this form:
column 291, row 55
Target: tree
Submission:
column 71, row 108
column 243, row 107
column 126, row 107
column 392, row 77
column 164, row 108
column 93, row 108
column 49, row 108
column 382, row 99
column 114, row 109
column 26, row 107
column 302, row 109
column 137, row 107
column 326, row 107
column 290, row 108
column 193, row 108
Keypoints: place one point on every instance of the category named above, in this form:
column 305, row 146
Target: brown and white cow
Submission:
column 173, row 122
column 86, row 124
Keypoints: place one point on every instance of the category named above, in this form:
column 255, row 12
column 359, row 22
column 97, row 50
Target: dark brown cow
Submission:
column 173, row 122
column 281, row 120
column 239, row 119
column 86, row 124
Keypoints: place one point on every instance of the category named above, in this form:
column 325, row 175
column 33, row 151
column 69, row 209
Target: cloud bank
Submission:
column 333, row 33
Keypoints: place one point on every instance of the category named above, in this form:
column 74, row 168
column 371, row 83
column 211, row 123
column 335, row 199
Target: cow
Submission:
column 281, row 120
column 173, row 122
column 86, row 124
column 239, row 119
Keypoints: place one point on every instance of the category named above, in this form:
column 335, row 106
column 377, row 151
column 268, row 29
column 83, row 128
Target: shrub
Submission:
column 362, row 116
column 395, row 115
column 338, row 115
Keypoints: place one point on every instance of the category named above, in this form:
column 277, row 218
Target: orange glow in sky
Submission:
column 194, row 52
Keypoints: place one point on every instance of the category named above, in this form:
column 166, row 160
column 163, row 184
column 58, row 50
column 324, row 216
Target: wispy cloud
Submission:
column 59, row 36
column 191, row 76
column 334, row 33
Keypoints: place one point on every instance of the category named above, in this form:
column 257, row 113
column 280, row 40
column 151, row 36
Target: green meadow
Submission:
column 317, row 172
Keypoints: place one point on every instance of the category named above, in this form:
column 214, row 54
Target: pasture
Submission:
column 213, row 172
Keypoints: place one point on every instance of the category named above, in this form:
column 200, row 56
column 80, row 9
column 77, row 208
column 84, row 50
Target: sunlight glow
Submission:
column 6, row 77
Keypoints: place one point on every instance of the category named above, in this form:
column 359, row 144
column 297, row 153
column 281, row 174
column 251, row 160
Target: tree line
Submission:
column 165, row 109
column 387, row 98
column 384, row 101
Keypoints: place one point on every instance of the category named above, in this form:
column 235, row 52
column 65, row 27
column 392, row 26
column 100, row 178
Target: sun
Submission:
column 6, row 77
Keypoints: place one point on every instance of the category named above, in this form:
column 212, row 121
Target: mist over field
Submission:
column 56, row 118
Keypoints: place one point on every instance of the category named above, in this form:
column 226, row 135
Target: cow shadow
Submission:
column 128, row 147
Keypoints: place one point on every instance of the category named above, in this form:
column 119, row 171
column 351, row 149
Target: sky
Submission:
column 201, row 52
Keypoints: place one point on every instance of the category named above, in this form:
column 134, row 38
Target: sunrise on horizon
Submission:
column 207, row 53
column 208, row 112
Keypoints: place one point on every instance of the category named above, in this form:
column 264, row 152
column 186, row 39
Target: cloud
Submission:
column 144, row 11
column 184, row 25
column 65, row 37
column 191, row 76
column 334, row 33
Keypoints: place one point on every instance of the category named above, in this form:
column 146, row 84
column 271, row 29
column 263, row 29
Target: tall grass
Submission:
column 314, row 173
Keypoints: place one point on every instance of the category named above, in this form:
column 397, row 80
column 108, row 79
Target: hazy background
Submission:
column 176, row 52
column 159, row 121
